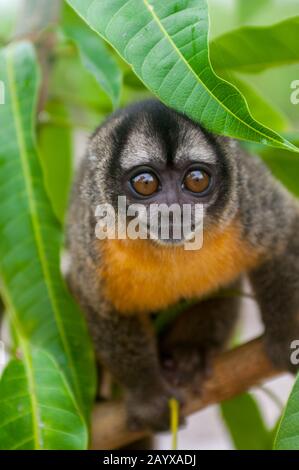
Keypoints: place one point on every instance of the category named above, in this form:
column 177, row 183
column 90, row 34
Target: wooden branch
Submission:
column 234, row 372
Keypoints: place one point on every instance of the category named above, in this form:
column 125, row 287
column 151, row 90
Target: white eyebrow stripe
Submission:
column 135, row 157
column 200, row 153
column 141, row 149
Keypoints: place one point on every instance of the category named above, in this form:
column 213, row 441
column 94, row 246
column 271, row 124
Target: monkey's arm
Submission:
column 276, row 285
column 189, row 344
column 126, row 346
column 270, row 221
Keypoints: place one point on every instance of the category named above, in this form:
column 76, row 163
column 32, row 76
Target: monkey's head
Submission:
column 153, row 155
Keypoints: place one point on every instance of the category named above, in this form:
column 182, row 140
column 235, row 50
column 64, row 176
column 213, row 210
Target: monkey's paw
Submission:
column 186, row 366
column 151, row 411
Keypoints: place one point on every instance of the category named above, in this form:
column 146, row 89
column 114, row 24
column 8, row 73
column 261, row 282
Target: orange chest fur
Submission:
column 138, row 276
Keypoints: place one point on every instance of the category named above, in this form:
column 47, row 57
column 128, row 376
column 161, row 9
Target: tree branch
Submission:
column 234, row 372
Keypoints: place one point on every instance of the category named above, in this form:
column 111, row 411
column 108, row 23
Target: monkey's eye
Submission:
column 196, row 181
column 145, row 183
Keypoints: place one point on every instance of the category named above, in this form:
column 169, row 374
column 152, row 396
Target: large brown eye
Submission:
column 145, row 184
column 197, row 181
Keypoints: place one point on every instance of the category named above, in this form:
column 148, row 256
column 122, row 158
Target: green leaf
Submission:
column 245, row 423
column 77, row 89
column 246, row 9
column 85, row 112
column 94, row 55
column 287, row 437
column 167, row 45
column 30, row 237
column 253, row 49
column 37, row 407
column 55, row 144
column 132, row 81
column 262, row 12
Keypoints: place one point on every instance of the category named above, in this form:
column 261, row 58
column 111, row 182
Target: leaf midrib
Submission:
column 164, row 31
column 28, row 367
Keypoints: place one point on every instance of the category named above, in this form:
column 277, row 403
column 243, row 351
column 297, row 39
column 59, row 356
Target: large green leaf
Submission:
column 262, row 110
column 287, row 437
column 167, row 45
column 253, row 49
column 245, row 423
column 94, row 54
column 30, row 236
column 37, row 407
column 55, row 144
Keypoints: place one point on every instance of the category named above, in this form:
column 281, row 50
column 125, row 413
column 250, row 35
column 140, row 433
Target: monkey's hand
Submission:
column 188, row 345
column 186, row 365
column 150, row 409
column 276, row 286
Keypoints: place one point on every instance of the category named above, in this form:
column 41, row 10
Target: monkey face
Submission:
column 157, row 158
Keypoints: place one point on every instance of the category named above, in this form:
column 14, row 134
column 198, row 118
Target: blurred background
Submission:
column 78, row 100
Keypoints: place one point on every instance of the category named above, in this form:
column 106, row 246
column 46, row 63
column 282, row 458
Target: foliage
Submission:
column 287, row 437
column 40, row 410
column 240, row 49
column 41, row 309
column 246, row 424
column 167, row 46
column 68, row 74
